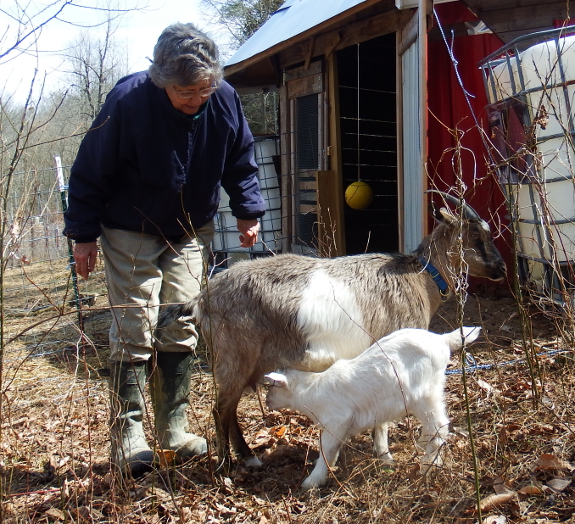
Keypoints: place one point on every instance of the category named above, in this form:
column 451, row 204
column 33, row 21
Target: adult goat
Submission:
column 306, row 313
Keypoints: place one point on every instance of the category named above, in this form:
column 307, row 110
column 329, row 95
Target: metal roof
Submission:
column 253, row 65
column 508, row 18
column 291, row 19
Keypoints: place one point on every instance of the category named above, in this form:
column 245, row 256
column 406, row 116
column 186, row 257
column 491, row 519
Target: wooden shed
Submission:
column 383, row 91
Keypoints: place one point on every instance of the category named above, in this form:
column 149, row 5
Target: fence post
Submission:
column 63, row 189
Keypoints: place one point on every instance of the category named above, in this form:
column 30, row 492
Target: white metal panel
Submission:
column 291, row 19
column 412, row 150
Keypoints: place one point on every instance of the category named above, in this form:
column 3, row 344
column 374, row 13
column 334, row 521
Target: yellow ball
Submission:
column 358, row 195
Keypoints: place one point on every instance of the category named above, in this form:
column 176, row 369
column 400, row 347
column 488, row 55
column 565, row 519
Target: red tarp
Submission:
column 449, row 110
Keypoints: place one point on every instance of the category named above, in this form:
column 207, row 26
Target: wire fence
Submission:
column 55, row 418
column 38, row 278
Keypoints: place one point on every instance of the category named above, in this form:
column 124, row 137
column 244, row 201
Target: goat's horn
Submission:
column 468, row 211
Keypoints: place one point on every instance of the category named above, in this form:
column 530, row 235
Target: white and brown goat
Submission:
column 306, row 313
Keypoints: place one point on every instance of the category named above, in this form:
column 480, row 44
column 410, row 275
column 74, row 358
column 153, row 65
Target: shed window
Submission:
column 307, row 163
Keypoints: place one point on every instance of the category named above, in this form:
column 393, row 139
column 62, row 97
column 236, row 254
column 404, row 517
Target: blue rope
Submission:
column 475, row 367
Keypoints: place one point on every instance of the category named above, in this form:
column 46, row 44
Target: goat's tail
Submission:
column 466, row 335
column 169, row 314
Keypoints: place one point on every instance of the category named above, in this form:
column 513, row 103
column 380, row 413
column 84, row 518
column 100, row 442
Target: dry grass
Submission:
column 54, row 440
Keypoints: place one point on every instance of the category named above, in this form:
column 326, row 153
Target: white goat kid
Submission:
column 402, row 373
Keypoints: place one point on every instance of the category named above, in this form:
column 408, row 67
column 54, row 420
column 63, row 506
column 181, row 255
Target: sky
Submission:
column 139, row 31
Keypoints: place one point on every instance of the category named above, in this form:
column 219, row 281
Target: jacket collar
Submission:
column 165, row 101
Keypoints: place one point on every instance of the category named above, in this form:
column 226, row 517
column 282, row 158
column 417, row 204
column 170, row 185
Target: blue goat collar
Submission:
column 436, row 275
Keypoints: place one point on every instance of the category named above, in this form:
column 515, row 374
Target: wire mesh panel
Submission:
column 226, row 245
column 368, row 131
column 529, row 83
column 36, row 254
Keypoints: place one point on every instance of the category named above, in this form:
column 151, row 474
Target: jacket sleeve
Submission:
column 240, row 177
column 92, row 173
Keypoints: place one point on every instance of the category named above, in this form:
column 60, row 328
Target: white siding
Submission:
column 412, row 150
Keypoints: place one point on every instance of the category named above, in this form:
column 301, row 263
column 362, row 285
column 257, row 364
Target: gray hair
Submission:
column 185, row 56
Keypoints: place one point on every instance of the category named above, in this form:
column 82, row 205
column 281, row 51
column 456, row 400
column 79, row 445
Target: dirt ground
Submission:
column 511, row 445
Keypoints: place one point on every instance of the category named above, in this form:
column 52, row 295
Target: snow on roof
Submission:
column 292, row 18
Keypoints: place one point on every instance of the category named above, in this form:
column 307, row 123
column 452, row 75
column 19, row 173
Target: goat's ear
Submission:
column 278, row 380
column 446, row 216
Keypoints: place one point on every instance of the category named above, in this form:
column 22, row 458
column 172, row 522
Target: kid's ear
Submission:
column 275, row 379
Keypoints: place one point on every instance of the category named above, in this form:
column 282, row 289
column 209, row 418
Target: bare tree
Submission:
column 27, row 21
column 31, row 128
column 95, row 64
column 242, row 18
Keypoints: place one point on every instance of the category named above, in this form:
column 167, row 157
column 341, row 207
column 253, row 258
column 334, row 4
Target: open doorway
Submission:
column 368, row 130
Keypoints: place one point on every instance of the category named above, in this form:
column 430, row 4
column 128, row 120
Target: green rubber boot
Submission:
column 170, row 387
column 130, row 451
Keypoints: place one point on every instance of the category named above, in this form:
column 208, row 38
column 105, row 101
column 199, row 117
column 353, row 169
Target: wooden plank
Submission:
column 331, row 46
column 309, row 53
column 329, row 217
column 308, row 85
column 494, row 5
column 408, row 35
column 307, row 208
column 358, row 32
column 399, row 130
column 301, row 72
column 310, row 185
column 337, row 233
column 286, row 186
column 524, row 18
column 426, row 7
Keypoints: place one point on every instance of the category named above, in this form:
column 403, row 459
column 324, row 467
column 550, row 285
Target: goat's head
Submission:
column 480, row 256
column 279, row 394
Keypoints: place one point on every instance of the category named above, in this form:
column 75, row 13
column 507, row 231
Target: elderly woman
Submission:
column 146, row 182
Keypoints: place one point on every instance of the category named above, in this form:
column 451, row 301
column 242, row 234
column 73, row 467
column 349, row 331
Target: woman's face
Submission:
column 188, row 99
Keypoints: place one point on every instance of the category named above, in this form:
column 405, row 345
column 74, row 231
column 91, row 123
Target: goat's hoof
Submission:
column 311, row 483
column 386, row 457
column 430, row 460
column 254, row 462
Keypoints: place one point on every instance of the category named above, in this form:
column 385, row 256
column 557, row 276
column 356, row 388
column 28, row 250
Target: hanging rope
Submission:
column 358, row 118
column 358, row 195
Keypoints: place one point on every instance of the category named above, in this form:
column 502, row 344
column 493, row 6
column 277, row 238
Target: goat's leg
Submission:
column 435, row 428
column 239, row 444
column 223, row 440
column 226, row 422
column 381, row 443
column 330, row 443
column 228, row 429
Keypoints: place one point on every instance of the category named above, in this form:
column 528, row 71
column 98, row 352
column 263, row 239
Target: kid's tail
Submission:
column 466, row 335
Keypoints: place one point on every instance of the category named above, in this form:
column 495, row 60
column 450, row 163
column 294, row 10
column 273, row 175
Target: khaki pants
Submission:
column 142, row 272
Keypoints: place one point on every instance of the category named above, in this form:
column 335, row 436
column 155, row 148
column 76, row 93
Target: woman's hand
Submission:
column 85, row 256
column 249, row 230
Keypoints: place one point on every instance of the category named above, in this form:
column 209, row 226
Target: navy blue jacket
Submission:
column 144, row 166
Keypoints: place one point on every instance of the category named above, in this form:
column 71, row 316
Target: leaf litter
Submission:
column 54, row 461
